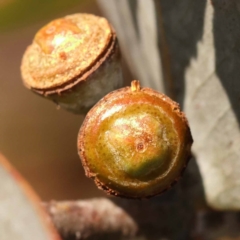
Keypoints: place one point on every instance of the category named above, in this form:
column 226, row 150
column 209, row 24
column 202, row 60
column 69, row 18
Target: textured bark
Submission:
column 118, row 219
column 91, row 219
column 101, row 218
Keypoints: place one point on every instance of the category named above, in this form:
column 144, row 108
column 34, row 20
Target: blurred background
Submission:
column 38, row 139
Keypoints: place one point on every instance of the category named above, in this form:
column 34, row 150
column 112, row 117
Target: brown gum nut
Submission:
column 74, row 61
column 134, row 142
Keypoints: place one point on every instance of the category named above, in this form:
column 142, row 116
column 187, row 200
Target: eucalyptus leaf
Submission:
column 21, row 216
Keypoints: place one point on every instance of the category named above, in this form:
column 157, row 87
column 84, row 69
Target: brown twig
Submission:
column 91, row 219
column 117, row 218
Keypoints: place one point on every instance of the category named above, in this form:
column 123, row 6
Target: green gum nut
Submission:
column 135, row 142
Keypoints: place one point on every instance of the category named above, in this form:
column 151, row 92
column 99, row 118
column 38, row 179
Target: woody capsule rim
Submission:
column 76, row 77
column 151, row 184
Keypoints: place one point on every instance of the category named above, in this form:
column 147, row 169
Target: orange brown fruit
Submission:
column 135, row 142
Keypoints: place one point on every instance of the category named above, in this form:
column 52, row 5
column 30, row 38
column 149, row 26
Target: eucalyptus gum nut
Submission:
column 135, row 142
column 73, row 61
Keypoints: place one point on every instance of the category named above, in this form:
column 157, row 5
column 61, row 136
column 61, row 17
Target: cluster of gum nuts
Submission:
column 134, row 142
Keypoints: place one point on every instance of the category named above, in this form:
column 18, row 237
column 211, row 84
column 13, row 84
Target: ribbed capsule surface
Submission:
column 135, row 142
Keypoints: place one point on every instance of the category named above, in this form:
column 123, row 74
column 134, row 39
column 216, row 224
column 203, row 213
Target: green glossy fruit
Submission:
column 135, row 142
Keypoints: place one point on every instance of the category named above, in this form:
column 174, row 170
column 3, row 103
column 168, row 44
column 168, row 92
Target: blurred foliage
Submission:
column 18, row 13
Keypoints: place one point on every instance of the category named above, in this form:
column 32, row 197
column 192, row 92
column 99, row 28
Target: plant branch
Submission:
column 97, row 218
